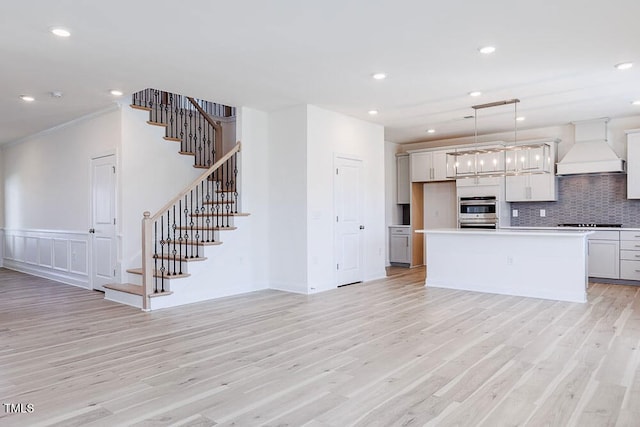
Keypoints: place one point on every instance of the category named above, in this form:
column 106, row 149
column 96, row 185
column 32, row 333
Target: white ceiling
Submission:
column 556, row 56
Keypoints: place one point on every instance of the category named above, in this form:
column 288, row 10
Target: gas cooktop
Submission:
column 590, row 225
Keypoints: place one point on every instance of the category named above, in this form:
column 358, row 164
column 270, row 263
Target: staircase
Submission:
column 192, row 221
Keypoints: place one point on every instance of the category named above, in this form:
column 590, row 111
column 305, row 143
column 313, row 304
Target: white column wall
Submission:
column 330, row 133
column 287, row 177
column 255, row 193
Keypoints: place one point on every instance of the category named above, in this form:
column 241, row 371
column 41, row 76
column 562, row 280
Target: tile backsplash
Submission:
column 583, row 199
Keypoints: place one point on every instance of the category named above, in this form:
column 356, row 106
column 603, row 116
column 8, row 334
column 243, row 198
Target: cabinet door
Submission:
column 402, row 194
column 516, row 188
column 633, row 166
column 439, row 165
column 542, row 187
column 399, row 249
column 420, row 167
column 604, row 259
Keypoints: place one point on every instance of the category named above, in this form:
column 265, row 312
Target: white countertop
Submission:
column 407, row 226
column 572, row 228
column 550, row 231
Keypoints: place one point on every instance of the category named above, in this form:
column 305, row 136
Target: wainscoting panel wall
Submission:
column 58, row 255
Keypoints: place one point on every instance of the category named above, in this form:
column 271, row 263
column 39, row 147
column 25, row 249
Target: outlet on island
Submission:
column 543, row 212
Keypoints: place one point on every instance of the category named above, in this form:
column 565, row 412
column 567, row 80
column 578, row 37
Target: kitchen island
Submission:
column 549, row 264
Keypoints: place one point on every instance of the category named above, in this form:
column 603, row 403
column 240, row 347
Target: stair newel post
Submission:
column 147, row 263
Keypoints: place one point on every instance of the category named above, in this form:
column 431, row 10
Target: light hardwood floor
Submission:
column 390, row 352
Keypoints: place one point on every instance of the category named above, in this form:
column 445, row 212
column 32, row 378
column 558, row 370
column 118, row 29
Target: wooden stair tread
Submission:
column 128, row 288
column 138, row 271
column 160, row 294
column 187, row 153
column 140, row 107
column 157, row 123
column 177, row 258
column 171, row 138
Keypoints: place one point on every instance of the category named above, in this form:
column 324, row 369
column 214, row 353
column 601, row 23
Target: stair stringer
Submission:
column 227, row 271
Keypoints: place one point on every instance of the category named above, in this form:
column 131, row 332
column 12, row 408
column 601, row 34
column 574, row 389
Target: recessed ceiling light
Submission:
column 487, row 49
column 636, row 102
column 373, row 112
column 27, row 98
column 116, row 92
column 431, row 131
column 60, row 32
column 624, row 65
column 520, row 118
column 379, row 76
column 475, row 93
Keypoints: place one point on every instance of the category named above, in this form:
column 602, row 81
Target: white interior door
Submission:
column 349, row 231
column 103, row 221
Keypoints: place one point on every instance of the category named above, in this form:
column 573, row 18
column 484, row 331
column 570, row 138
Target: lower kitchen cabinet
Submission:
column 630, row 255
column 604, row 254
column 400, row 245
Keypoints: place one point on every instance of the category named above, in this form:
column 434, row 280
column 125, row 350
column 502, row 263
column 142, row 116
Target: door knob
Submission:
column 92, row 230
column 362, row 227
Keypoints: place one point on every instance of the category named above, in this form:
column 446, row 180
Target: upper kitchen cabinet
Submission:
column 403, row 194
column 633, row 164
column 528, row 186
column 429, row 166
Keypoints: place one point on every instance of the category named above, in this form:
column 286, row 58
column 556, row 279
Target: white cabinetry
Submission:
column 604, row 254
column 400, row 245
column 403, row 190
column 531, row 188
column 630, row 255
column 540, row 187
column 429, row 166
column 633, row 164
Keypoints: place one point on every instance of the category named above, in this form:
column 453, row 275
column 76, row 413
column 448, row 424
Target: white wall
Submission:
column 287, row 177
column 330, row 133
column 46, row 176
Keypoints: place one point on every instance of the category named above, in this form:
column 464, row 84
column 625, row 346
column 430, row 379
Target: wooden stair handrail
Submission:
column 206, row 116
column 196, row 182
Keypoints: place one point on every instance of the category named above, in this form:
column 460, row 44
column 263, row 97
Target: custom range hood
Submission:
column 591, row 152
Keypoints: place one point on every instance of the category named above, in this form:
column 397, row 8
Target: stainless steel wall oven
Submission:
column 479, row 212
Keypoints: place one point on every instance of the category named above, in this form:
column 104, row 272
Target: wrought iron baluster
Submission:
column 162, row 255
column 155, row 256
column 235, row 182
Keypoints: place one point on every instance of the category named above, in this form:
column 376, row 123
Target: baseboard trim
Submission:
column 46, row 273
